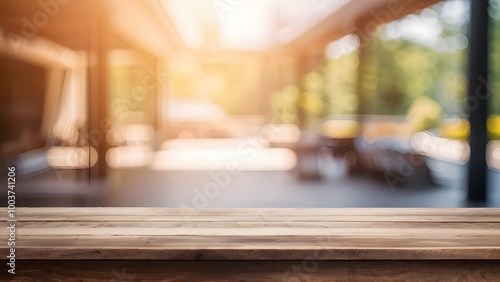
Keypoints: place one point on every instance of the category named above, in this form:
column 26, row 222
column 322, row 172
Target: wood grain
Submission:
column 289, row 271
column 256, row 244
column 255, row 234
column 257, row 215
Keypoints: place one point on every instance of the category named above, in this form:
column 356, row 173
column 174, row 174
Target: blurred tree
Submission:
column 494, row 120
column 283, row 105
column 420, row 55
column 495, row 55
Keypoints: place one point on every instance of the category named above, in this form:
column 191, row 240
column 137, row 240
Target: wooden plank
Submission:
column 255, row 234
column 262, row 218
column 436, row 226
column 229, row 231
column 279, row 211
column 257, row 215
column 262, row 242
column 256, row 254
column 267, row 219
column 367, row 247
column 256, row 271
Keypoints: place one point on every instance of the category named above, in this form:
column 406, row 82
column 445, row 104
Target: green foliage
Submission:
column 401, row 68
column 495, row 55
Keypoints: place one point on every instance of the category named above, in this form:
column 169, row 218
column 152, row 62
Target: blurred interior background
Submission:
column 251, row 103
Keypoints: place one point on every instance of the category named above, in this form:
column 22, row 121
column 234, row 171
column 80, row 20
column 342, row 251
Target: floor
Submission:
column 251, row 189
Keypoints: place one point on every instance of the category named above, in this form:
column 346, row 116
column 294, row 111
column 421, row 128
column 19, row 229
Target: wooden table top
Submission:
column 255, row 234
